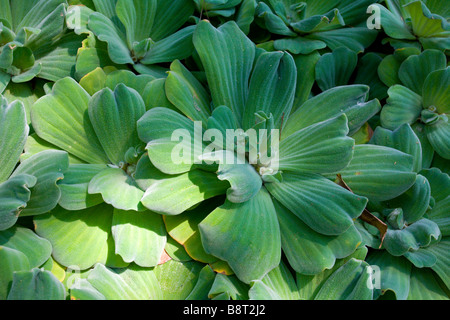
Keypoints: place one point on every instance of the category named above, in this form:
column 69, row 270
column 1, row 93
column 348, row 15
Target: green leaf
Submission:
column 415, row 69
column 246, row 235
column 48, row 167
column 133, row 283
column 62, row 119
column 394, row 273
column 299, row 45
column 227, row 56
column 271, row 88
column 350, row 100
column 172, row 195
column 35, row 248
column 379, row 173
column 117, row 188
column 203, row 285
column 184, row 229
column 170, row 135
column 414, row 236
column 308, row 251
column 139, row 237
column 107, row 31
column 137, row 18
column 393, row 25
column 36, row 285
column 244, row 180
column 74, row 187
column 424, row 286
column 14, row 195
column 439, row 182
column 176, row 46
column 414, row 201
column 177, row 279
column 227, row 288
column 321, row 147
column 438, row 134
column 349, row 282
column 58, row 60
column 403, row 139
column 436, row 90
column 309, row 285
column 356, row 38
column 305, row 65
column 13, row 125
column 176, row 11
column 335, row 68
column 403, row 106
column 323, row 205
column 113, row 115
column 11, row 260
column 186, row 93
column 79, row 238
column 279, row 281
column 424, row 23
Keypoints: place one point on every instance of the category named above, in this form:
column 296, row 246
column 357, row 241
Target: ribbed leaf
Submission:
column 246, row 235
column 61, row 118
column 137, row 18
column 393, row 25
column 35, row 248
column 227, row 56
column 436, row 90
column 113, row 115
column 323, row 205
column 438, row 134
column 414, row 202
column 139, row 237
column 133, row 283
column 349, row 282
column 184, row 229
column 175, row 194
column 117, row 188
column 271, row 88
column 186, row 93
column 48, row 167
column 403, row 139
column 415, row 69
column 321, row 147
column 158, row 128
column 107, row 31
column 245, row 181
column 414, row 236
column 335, row 68
column 13, row 125
column 356, row 39
column 309, row 252
column 379, row 173
column 394, row 273
column 424, row 286
column 14, row 195
column 279, row 281
column 36, row 284
column 177, row 279
column 176, row 46
column 403, row 106
column 74, row 187
column 79, row 238
column 350, row 100
column 11, row 260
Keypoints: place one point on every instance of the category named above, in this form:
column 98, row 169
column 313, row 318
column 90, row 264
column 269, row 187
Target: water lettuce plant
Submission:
column 224, row 150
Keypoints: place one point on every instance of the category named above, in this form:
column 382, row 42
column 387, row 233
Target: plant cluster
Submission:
column 346, row 195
